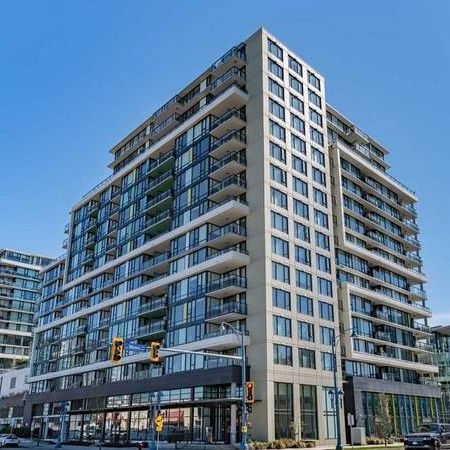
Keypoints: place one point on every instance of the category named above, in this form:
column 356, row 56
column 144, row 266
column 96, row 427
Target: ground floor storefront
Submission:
column 408, row 405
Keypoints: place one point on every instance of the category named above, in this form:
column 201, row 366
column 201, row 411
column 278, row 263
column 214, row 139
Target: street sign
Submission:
column 135, row 347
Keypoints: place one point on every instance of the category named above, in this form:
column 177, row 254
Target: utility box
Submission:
column 358, row 435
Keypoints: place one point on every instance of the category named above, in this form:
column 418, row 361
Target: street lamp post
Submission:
column 335, row 386
column 241, row 335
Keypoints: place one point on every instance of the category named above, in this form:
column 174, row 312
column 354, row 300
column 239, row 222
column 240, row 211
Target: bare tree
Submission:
column 383, row 420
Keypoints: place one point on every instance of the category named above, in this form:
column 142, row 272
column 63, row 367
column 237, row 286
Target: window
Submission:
column 280, row 247
column 328, row 412
column 320, row 218
column 316, row 136
column 327, row 360
column 295, row 84
column 300, row 186
column 280, row 272
column 298, row 144
column 277, row 152
column 301, row 232
column 308, row 412
column 276, row 89
column 299, row 165
column 275, row 69
column 297, row 123
column 305, row 331
column 306, row 358
column 323, row 263
column 282, row 326
column 275, row 50
column 302, row 255
column 313, row 80
column 276, row 109
column 325, row 287
column 326, row 311
column 301, row 208
column 322, row 240
column 282, row 354
column 277, row 131
column 303, row 280
column 319, row 176
column 295, row 66
column 12, row 383
column 278, row 175
column 326, row 335
column 279, row 222
column 297, row 104
column 284, row 409
column 317, row 156
column 278, row 198
column 305, row 305
column 316, row 117
column 315, row 99
column 281, row 299
column 320, row 197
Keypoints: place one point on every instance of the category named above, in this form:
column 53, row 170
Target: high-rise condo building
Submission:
column 380, row 284
column 19, row 291
column 220, row 209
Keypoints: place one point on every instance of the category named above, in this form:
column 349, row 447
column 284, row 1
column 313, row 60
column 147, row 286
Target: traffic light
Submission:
column 154, row 352
column 116, row 350
column 159, row 422
column 250, row 392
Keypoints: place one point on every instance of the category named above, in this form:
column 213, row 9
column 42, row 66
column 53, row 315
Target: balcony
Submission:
column 227, row 312
column 410, row 209
column 231, row 164
column 355, row 135
column 232, row 186
column 226, row 286
column 153, row 330
column 67, row 228
column 230, row 120
column 412, row 243
column 231, row 142
column 161, row 202
column 413, row 259
column 158, row 224
column 162, row 164
column 216, row 340
column 64, row 244
column 233, row 76
column 90, row 241
column 89, row 224
column 227, row 236
column 154, row 308
column 162, row 183
column 418, row 293
column 228, row 259
column 377, row 296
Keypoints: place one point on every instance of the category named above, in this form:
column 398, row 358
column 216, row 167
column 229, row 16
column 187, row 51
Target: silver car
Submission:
column 9, row 440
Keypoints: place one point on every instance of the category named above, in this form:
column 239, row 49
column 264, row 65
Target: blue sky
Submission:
column 76, row 76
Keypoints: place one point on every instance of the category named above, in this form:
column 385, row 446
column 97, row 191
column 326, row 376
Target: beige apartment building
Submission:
column 219, row 208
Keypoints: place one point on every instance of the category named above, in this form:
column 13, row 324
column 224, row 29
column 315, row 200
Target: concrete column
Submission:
column 233, row 413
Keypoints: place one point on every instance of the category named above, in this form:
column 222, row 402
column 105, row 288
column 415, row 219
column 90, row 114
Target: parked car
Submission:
column 9, row 440
column 430, row 436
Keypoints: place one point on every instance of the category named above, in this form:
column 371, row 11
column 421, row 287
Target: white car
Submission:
column 9, row 440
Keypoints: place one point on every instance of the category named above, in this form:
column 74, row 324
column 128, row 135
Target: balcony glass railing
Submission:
column 226, row 116
column 232, row 180
column 235, row 156
column 233, row 134
column 226, row 308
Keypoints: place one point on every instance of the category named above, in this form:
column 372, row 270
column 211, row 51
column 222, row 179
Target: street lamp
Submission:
column 335, row 386
column 240, row 334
